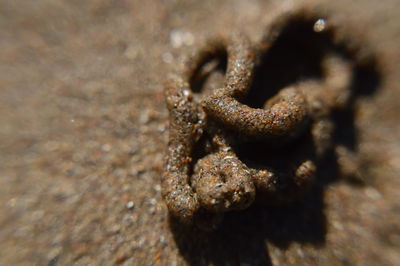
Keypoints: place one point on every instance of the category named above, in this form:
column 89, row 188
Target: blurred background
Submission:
column 83, row 130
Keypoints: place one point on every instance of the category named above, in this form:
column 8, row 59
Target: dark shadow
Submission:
column 205, row 76
column 242, row 237
column 295, row 55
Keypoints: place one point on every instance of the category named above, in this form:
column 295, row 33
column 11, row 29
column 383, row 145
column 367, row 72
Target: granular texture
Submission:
column 84, row 130
column 220, row 181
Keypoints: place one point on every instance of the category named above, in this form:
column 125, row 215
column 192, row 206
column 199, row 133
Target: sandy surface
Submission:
column 84, row 129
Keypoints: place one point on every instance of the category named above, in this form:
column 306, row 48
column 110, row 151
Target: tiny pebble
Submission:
column 180, row 38
column 167, row 57
column 372, row 193
column 130, row 205
column 319, row 25
column 106, row 147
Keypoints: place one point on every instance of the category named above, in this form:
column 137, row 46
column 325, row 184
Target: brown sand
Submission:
column 84, row 130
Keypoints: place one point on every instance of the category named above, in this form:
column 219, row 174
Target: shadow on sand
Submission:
column 242, row 237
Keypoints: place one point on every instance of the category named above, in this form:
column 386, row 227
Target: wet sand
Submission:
column 84, row 129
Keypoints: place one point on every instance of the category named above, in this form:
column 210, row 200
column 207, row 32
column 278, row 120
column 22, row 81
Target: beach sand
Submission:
column 84, row 129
